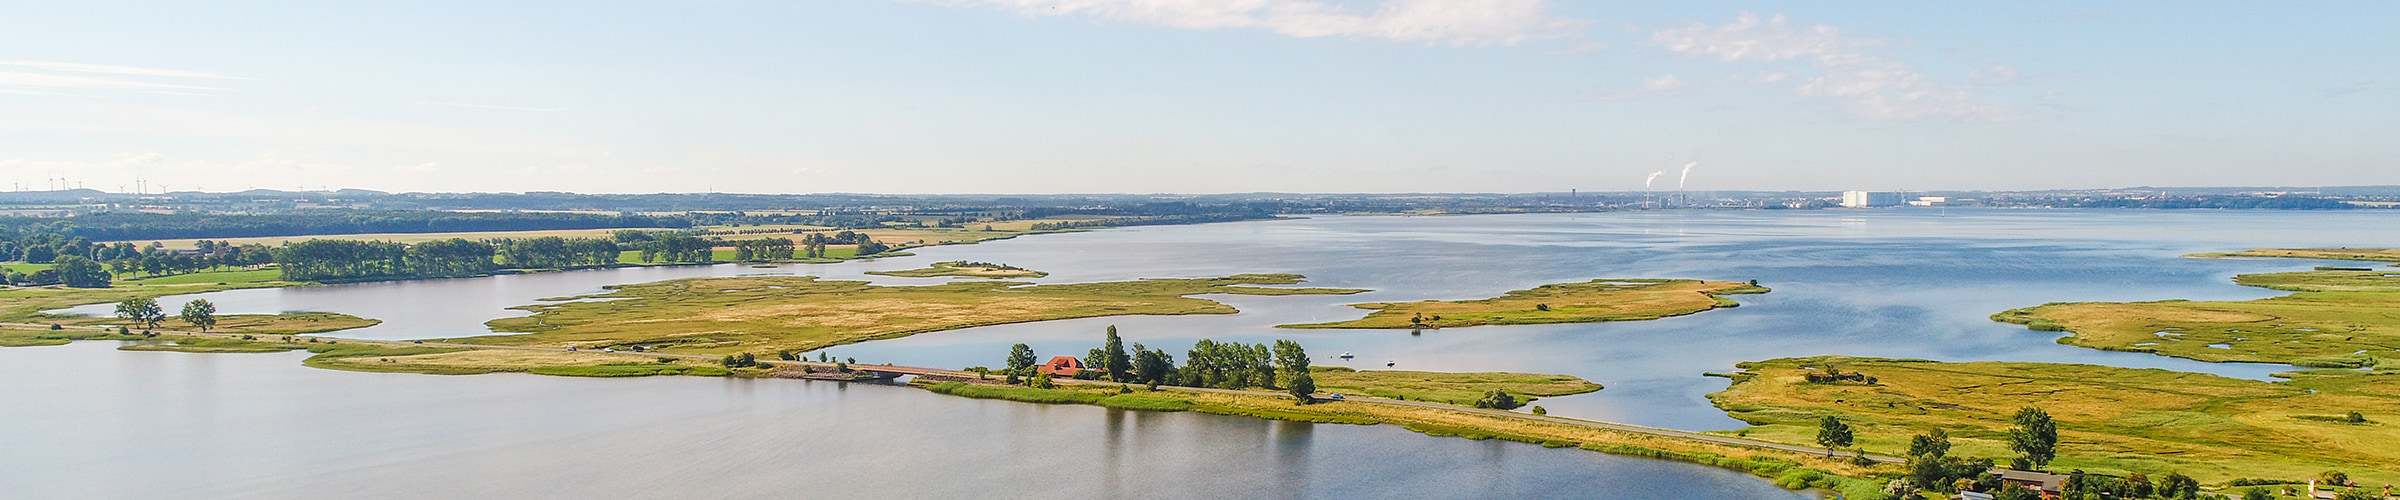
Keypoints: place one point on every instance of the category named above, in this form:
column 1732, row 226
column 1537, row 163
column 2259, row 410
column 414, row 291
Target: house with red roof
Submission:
column 1062, row 366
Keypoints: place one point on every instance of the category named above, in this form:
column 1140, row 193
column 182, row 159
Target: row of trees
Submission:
column 1222, row 365
column 200, row 313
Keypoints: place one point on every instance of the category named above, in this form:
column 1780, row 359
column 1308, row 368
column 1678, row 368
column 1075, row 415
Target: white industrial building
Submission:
column 1864, row 199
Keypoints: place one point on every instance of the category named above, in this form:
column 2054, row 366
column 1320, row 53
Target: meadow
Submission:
column 963, row 269
column 2111, row 420
column 1584, row 302
column 2332, row 319
column 770, row 313
column 1458, row 388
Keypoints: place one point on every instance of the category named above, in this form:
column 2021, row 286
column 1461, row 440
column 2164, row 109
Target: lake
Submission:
column 1893, row 283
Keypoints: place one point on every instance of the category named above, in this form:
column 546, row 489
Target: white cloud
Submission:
column 1661, row 84
column 1434, row 22
column 1871, row 86
column 116, row 70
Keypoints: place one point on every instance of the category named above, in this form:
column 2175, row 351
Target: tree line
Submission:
column 109, row 226
column 1222, row 365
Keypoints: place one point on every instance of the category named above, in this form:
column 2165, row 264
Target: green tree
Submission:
column 1117, row 364
column 76, row 271
column 1934, row 443
column 2332, row 478
column 1833, row 434
column 1498, row 400
column 1292, row 358
column 1302, row 387
column 2177, row 485
column 200, row 313
column 1020, row 359
column 1041, row 380
column 141, row 310
column 2035, row 437
column 2017, row 493
column 2259, row 493
column 2357, row 494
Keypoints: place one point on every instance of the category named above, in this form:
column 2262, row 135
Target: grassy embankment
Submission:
column 2367, row 254
column 964, row 269
column 1585, row 302
column 2332, row 319
column 1791, row 470
column 770, row 313
column 2111, row 420
column 393, row 357
column 1458, row 388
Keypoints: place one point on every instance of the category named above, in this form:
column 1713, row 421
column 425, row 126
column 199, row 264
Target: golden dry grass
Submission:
column 1585, row 302
column 2366, row 254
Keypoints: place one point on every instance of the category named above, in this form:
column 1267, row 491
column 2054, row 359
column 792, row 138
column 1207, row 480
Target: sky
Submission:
column 1194, row 96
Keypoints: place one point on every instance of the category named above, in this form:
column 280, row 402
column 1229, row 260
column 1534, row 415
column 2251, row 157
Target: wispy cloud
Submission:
column 469, row 105
column 53, row 81
column 1664, row 85
column 117, row 70
column 1870, row 86
column 1433, row 22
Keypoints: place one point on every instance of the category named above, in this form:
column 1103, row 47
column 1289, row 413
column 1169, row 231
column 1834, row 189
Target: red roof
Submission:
column 1063, row 366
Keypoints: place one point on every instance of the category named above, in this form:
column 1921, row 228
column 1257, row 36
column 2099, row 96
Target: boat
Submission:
column 1345, row 355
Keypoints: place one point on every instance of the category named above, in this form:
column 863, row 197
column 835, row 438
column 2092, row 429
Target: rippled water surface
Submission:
column 1893, row 283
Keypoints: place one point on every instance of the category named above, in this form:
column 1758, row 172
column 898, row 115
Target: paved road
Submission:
column 922, row 371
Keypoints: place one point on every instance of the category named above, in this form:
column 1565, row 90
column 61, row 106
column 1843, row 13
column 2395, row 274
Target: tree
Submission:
column 2332, row 478
column 1303, row 387
column 1293, row 359
column 76, row 271
column 2259, row 493
column 2357, row 494
column 200, row 313
column 1020, row 359
column 2035, row 437
column 1115, row 362
column 2017, row 493
column 141, row 310
column 1496, row 399
column 1933, row 444
column 1041, row 380
column 2177, row 485
column 1833, row 434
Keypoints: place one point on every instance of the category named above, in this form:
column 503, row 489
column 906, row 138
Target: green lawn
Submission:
column 1461, row 388
column 1579, row 302
column 25, row 268
column 227, row 277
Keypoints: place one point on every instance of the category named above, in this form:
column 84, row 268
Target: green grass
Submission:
column 1019, row 394
column 769, row 313
column 1445, row 387
column 25, row 305
column 211, row 277
column 214, row 345
column 1581, row 302
column 960, row 269
column 16, row 337
column 25, row 267
column 1144, row 403
column 2111, row 420
column 629, row 370
column 2331, row 319
column 2365, row 254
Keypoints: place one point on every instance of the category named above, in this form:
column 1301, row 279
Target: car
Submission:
column 573, row 348
column 609, row 349
column 1336, row 395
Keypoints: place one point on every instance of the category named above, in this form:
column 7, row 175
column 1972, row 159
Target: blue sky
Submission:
column 1035, row 96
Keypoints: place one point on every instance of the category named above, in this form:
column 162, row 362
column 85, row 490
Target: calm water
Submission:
column 1894, row 283
column 86, row 421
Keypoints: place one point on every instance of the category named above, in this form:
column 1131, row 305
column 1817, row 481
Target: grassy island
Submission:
column 1446, row 387
column 965, row 269
column 762, row 314
column 2366, row 254
column 2111, row 420
column 2332, row 319
column 1585, row 302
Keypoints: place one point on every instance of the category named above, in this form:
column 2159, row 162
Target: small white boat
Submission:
column 1389, row 364
column 1345, row 355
